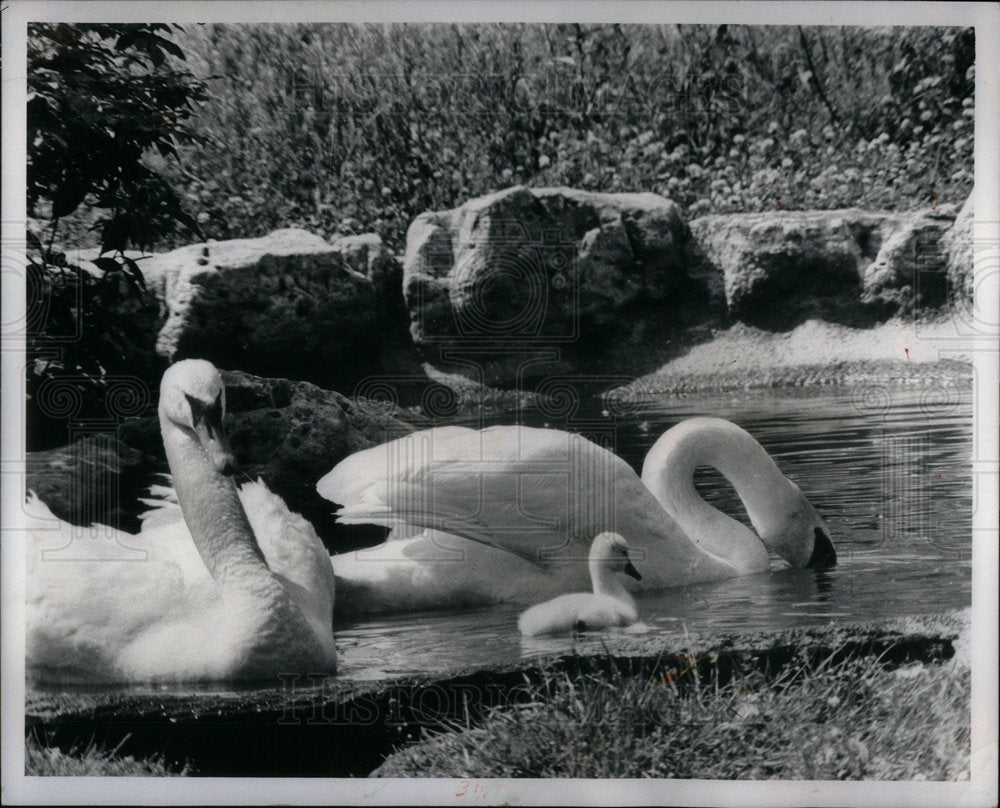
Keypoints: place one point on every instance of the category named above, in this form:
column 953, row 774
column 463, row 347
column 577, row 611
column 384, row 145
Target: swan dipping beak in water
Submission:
column 507, row 513
column 229, row 585
column 608, row 605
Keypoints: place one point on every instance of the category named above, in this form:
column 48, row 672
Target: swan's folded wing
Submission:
column 537, row 493
column 417, row 481
column 90, row 590
column 362, row 475
column 292, row 550
column 162, row 507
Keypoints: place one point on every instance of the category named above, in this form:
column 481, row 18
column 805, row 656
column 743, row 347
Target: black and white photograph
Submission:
column 500, row 403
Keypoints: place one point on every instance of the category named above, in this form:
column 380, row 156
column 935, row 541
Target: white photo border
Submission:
column 982, row 790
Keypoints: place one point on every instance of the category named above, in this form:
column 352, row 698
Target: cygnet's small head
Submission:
column 193, row 397
column 611, row 550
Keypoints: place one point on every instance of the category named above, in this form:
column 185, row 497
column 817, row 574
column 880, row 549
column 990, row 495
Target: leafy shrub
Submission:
column 100, row 97
column 349, row 128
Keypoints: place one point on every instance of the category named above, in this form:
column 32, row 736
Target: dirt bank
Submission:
column 815, row 353
column 331, row 727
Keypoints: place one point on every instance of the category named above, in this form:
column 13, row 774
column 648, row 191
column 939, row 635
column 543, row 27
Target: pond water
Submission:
column 888, row 469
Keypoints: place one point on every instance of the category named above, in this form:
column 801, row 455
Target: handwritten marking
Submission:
column 480, row 790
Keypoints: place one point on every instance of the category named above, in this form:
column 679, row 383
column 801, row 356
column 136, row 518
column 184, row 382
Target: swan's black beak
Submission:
column 211, row 435
column 216, row 446
column 631, row 571
column 823, row 554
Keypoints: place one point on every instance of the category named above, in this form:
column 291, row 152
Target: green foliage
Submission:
column 100, row 98
column 344, row 128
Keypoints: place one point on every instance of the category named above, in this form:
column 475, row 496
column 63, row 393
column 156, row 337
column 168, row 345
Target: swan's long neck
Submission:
column 213, row 513
column 669, row 469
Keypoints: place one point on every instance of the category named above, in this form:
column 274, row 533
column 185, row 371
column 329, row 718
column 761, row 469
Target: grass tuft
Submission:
column 841, row 719
column 45, row 760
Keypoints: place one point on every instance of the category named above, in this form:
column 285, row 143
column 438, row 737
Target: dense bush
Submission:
column 345, row 128
column 100, row 97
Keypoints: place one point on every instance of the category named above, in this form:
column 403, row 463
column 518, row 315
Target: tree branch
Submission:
column 815, row 77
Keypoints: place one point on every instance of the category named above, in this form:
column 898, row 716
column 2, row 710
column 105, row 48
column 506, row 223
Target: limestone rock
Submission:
column 778, row 269
column 288, row 433
column 292, row 433
column 959, row 257
column 95, row 479
column 526, row 271
column 909, row 274
column 286, row 305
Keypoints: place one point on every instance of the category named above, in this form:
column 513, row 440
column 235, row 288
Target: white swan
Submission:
column 608, row 605
column 536, row 496
column 226, row 586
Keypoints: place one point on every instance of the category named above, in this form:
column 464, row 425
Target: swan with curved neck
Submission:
column 610, row 604
column 785, row 521
column 530, row 499
column 233, row 587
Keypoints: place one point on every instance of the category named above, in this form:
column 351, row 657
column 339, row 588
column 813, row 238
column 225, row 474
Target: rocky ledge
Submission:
column 532, row 283
column 288, row 433
column 506, row 302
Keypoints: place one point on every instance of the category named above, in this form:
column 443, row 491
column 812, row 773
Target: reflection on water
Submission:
column 889, row 472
